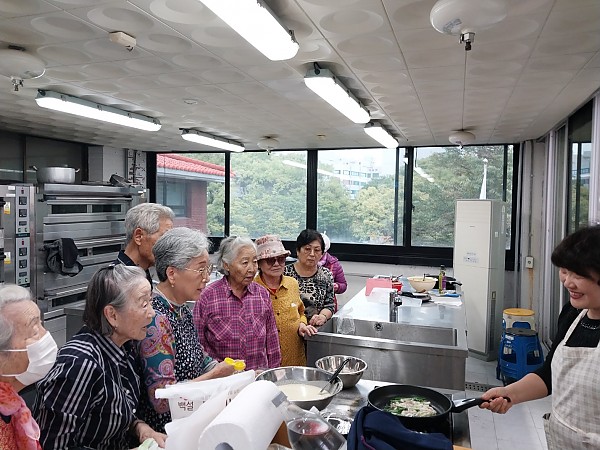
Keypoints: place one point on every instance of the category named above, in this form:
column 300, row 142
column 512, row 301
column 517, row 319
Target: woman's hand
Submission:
column 222, row 370
column 317, row 320
column 144, row 431
column 306, row 330
column 335, row 287
column 497, row 403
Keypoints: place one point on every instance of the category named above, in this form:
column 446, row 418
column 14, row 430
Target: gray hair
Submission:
column 147, row 217
column 111, row 285
column 9, row 294
column 230, row 248
column 176, row 248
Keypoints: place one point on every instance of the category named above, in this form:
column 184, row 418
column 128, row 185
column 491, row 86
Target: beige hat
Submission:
column 270, row 246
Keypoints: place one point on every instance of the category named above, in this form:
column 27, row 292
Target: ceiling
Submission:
column 520, row 79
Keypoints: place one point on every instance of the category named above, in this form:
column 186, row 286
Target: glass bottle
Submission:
column 442, row 280
column 308, row 430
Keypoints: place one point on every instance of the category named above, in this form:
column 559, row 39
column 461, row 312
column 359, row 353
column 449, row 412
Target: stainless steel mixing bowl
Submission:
column 350, row 374
column 304, row 375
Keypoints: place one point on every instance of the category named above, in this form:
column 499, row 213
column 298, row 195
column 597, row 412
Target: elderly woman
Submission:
column 285, row 297
column 171, row 351
column 27, row 352
column 234, row 316
column 316, row 282
column 90, row 397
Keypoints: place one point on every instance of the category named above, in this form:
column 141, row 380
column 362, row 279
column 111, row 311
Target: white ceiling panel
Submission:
column 189, row 69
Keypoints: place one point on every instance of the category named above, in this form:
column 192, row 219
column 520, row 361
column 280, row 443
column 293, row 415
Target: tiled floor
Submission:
column 519, row 429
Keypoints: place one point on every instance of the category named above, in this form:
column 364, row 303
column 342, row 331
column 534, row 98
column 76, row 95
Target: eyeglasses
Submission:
column 272, row 261
column 308, row 250
column 205, row 271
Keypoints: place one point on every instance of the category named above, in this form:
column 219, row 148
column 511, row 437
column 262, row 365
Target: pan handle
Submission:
column 460, row 405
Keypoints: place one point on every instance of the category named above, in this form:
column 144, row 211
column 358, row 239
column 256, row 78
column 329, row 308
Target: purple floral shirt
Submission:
column 239, row 328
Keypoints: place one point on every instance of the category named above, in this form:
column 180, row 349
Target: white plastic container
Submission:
column 186, row 397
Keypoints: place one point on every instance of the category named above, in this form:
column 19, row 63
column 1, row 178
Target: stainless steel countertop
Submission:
column 375, row 307
column 349, row 401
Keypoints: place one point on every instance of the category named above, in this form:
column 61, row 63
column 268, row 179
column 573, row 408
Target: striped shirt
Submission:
column 239, row 328
column 89, row 398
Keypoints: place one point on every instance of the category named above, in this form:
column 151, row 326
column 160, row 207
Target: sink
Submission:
column 395, row 331
column 396, row 352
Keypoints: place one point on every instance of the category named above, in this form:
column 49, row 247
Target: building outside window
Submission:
column 193, row 185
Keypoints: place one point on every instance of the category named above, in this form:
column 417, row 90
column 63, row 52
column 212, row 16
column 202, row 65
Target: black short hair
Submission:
column 580, row 252
column 307, row 236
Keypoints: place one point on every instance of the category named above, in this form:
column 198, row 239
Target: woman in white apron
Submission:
column 571, row 372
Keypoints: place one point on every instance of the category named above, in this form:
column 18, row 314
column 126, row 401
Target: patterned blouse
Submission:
column 170, row 353
column 239, row 328
column 316, row 291
column 289, row 313
column 18, row 430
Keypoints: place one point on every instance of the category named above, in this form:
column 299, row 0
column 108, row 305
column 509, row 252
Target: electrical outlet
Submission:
column 529, row 262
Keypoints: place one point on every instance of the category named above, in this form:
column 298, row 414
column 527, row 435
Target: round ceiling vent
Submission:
column 268, row 143
column 18, row 65
column 457, row 17
column 461, row 138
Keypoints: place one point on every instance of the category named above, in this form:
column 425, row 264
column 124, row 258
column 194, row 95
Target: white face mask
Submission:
column 42, row 355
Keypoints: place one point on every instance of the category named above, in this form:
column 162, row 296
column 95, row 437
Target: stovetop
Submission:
column 455, row 428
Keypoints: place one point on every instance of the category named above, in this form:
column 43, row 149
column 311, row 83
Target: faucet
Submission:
column 395, row 301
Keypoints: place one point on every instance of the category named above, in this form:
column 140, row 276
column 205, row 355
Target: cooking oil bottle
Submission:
column 442, row 280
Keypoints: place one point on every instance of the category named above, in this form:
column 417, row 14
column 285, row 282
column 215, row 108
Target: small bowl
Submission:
column 350, row 374
column 422, row 284
column 304, row 375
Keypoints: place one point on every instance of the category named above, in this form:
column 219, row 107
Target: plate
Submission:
column 420, row 294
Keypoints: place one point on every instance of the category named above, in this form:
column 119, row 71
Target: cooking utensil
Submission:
column 380, row 397
column 62, row 175
column 355, row 365
column 303, row 375
column 335, row 374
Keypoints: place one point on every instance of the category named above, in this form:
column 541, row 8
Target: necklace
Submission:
column 174, row 308
column 589, row 326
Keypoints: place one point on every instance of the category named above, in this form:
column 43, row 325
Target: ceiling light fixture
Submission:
column 325, row 84
column 254, row 21
column 464, row 18
column 212, row 141
column 381, row 135
column 92, row 110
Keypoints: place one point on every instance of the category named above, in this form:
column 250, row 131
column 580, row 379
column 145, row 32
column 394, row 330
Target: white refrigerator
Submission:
column 479, row 249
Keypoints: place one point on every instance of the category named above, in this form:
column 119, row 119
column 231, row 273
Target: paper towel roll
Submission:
column 183, row 434
column 249, row 422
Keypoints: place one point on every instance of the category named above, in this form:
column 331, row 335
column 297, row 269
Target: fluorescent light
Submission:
column 254, row 21
column 380, row 134
column 84, row 108
column 212, row 141
column 326, row 85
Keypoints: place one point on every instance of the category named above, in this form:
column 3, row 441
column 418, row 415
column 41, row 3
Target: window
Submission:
column 442, row 175
column 193, row 185
column 358, row 211
column 173, row 194
column 580, row 142
column 268, row 194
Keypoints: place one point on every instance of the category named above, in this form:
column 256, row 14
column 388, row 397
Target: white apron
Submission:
column 575, row 419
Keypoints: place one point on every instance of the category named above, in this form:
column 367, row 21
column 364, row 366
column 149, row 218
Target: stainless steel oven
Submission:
column 93, row 216
column 17, row 236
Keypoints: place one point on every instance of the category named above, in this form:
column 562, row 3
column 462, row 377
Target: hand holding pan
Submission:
column 380, row 397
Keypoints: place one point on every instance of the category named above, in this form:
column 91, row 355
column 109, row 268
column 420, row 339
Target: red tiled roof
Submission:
column 187, row 164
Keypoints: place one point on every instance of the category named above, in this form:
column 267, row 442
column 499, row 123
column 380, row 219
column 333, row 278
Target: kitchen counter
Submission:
column 349, row 401
column 426, row 345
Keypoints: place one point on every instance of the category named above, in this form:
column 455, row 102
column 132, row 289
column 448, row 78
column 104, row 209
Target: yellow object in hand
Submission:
column 238, row 364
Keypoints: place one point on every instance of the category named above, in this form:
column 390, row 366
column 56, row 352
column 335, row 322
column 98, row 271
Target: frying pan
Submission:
column 381, row 396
